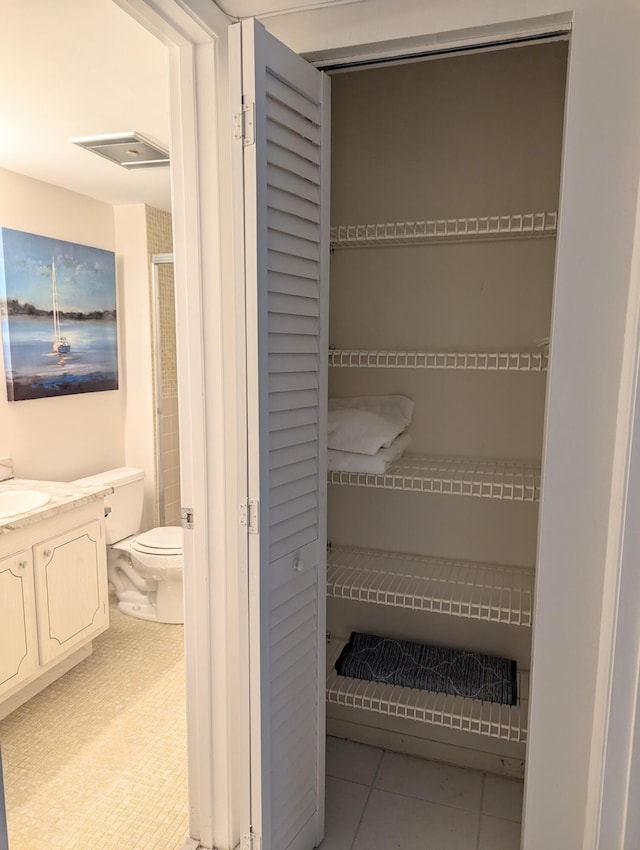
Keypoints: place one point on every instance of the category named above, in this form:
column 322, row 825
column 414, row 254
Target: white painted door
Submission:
column 284, row 156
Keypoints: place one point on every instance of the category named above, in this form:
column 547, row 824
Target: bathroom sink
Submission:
column 14, row 502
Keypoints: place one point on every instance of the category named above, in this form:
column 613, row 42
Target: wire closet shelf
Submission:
column 498, row 361
column 494, row 720
column 489, row 592
column 478, row 228
column 453, row 476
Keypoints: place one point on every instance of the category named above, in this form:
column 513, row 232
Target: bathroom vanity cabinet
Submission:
column 53, row 598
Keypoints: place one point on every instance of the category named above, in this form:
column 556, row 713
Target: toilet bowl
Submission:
column 146, row 573
column 145, row 569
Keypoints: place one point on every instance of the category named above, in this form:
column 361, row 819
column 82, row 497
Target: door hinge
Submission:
column 186, row 517
column 244, row 124
column 249, row 515
column 251, row 841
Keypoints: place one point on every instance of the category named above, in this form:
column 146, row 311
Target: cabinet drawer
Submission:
column 71, row 589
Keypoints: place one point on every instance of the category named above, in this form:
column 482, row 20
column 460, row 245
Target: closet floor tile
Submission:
column 352, row 761
column 345, row 802
column 393, row 822
column 498, row 834
column 503, row 798
column 429, row 780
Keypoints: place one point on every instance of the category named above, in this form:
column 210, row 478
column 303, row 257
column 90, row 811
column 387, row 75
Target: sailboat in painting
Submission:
column 60, row 343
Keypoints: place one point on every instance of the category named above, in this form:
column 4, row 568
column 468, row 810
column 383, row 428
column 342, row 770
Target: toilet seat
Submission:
column 157, row 554
column 164, row 541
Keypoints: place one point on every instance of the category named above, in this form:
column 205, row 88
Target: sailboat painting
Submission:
column 60, row 344
column 58, row 316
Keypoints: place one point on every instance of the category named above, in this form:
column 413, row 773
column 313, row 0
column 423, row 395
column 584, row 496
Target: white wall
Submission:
column 598, row 202
column 135, row 334
column 60, row 438
column 65, row 438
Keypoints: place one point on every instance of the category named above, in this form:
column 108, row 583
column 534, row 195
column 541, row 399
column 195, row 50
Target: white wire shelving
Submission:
column 477, row 228
column 454, row 476
column 493, row 361
column 507, row 722
column 490, row 592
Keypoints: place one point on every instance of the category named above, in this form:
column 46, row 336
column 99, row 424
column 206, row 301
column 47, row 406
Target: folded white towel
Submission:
column 376, row 464
column 365, row 424
column 397, row 408
column 353, row 430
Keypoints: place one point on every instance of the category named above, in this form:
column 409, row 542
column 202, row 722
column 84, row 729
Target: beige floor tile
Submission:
column 429, row 780
column 98, row 759
column 345, row 802
column 503, row 798
column 352, row 761
column 393, row 822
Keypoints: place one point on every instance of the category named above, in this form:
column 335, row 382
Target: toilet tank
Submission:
column 125, row 501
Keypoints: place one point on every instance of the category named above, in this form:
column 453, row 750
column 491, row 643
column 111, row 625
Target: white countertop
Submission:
column 65, row 496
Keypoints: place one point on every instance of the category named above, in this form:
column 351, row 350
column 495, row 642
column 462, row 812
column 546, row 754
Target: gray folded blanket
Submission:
column 429, row 668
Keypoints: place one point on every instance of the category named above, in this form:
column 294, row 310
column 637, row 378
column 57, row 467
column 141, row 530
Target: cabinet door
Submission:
column 71, row 589
column 18, row 641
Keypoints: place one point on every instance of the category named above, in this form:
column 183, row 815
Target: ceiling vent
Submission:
column 131, row 150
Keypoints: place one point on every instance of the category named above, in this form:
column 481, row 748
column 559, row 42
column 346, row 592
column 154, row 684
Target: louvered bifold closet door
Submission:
column 286, row 268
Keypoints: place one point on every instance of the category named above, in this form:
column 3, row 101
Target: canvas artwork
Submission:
column 58, row 306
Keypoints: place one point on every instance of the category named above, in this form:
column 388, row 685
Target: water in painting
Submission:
column 59, row 327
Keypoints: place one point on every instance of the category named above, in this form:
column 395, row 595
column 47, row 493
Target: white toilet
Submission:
column 145, row 568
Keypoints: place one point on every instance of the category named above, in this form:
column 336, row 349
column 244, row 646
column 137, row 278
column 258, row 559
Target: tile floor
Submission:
column 97, row 761
column 379, row 800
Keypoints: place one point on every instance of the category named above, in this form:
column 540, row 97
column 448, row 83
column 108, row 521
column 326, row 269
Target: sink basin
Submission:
column 14, row 502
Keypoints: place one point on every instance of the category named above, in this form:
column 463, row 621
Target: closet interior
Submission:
column 445, row 186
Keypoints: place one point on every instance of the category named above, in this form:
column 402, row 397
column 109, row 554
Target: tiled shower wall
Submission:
column 159, row 241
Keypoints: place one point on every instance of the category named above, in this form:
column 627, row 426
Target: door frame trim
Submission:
column 421, row 47
column 195, row 34
column 615, row 757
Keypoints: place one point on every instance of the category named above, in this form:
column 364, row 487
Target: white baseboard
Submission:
column 427, row 749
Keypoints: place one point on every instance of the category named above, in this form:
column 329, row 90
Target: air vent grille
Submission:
column 131, row 149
